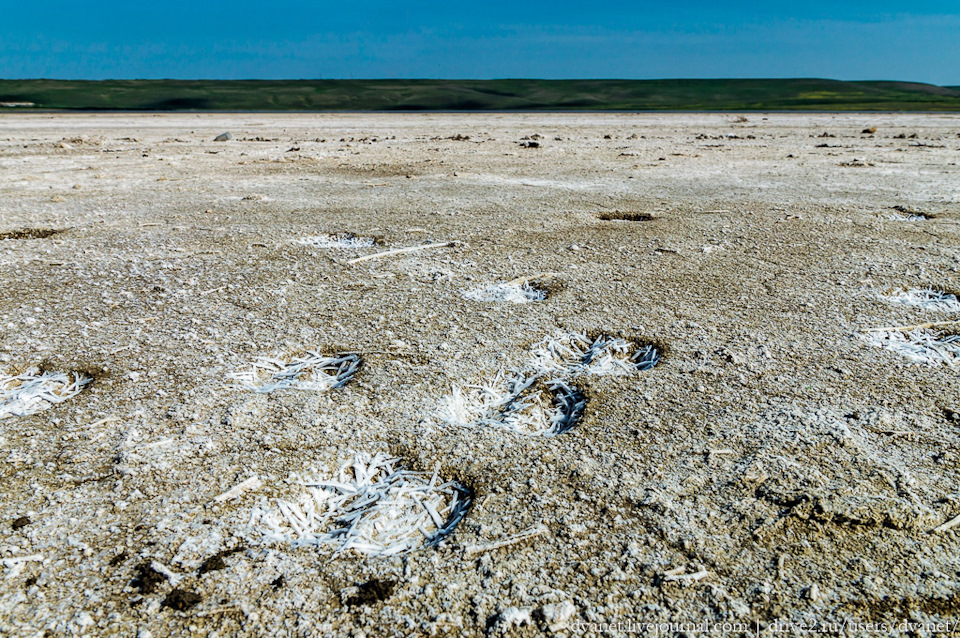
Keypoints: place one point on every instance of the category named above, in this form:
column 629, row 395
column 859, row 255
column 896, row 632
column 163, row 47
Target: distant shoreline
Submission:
column 476, row 96
column 41, row 111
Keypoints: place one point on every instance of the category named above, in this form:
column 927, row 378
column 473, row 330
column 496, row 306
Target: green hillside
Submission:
column 478, row 95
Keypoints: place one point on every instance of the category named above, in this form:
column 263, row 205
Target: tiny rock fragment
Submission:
column 556, row 616
column 509, row 618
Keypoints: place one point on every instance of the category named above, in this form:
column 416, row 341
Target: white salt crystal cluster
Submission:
column 371, row 506
column 525, row 405
column 312, row 371
column 539, row 399
column 926, row 299
column 35, row 391
column 905, row 217
column 920, row 346
column 506, row 293
column 569, row 353
column 345, row 240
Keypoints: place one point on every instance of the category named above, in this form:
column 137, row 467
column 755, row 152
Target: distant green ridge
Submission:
column 478, row 95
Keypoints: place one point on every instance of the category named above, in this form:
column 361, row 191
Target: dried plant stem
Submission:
column 953, row 522
column 17, row 560
column 519, row 281
column 398, row 251
column 700, row 575
column 533, row 532
column 251, row 483
column 921, row 326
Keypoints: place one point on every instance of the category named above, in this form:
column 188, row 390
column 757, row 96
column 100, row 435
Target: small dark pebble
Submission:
column 182, row 600
column 371, row 592
column 17, row 523
column 119, row 558
column 278, row 582
column 30, row 582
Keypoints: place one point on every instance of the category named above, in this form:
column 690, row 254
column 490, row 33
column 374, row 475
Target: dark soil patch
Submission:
column 372, row 592
column 182, row 600
column 147, row 579
column 625, row 216
column 118, row 559
column 216, row 562
column 20, row 522
column 29, row 233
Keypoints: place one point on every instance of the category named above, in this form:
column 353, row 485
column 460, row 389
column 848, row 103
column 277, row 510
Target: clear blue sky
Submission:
column 917, row 40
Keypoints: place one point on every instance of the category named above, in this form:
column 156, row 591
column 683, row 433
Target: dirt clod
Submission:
column 29, row 233
column 626, row 216
column 216, row 562
column 182, row 599
column 20, row 522
column 147, row 579
column 371, row 592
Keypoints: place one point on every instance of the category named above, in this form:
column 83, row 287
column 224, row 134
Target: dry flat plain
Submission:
column 773, row 467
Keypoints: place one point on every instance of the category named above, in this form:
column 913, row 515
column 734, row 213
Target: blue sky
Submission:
column 917, row 41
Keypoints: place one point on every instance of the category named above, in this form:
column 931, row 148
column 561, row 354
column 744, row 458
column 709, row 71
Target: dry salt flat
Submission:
column 399, row 375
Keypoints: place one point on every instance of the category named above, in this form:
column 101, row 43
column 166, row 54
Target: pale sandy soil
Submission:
column 773, row 467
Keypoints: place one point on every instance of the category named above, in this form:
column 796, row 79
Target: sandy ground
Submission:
column 773, row 468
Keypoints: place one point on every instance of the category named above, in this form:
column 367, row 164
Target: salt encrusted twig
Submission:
column 372, row 506
column 345, row 240
column 526, row 405
column 927, row 299
column 397, row 251
column 533, row 532
column 572, row 354
column 33, row 391
column 508, row 292
column 673, row 577
column 518, row 401
column 250, row 484
column 312, row 371
column 953, row 522
column 905, row 217
column 920, row 346
column 17, row 560
column 919, row 326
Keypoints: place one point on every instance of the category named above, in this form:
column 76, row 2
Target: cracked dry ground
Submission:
column 774, row 467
